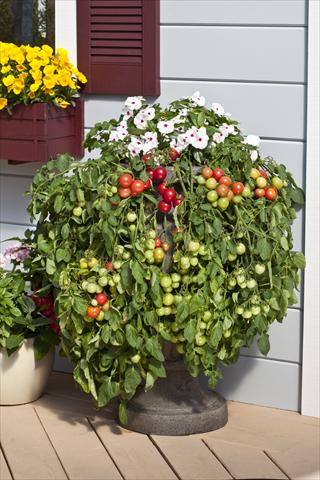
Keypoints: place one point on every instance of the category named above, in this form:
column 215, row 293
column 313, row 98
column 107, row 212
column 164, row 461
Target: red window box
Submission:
column 38, row 132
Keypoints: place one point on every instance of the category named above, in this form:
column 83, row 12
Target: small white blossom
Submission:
column 2, row 261
column 133, row 103
column 226, row 129
column 202, row 138
column 140, row 121
column 135, row 146
column 165, row 126
column 218, row 109
column 253, row 140
column 254, row 155
column 113, row 137
column 151, row 141
column 122, row 133
column 149, row 113
column 197, row 100
column 127, row 114
column 218, row 137
column 191, row 135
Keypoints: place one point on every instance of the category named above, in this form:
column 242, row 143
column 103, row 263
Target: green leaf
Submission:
column 299, row 260
column 150, row 318
column 297, row 196
column 263, row 344
column 126, row 277
column 132, row 336
column 105, row 334
column 65, row 230
column 58, row 203
column 150, row 380
column 284, row 243
column 107, row 391
column 122, row 412
column 43, row 342
column 138, row 272
column 264, row 248
column 50, row 266
column 190, row 331
column 182, row 311
column 14, row 341
column 217, row 227
column 132, row 380
column 80, row 305
column 216, row 334
column 154, row 348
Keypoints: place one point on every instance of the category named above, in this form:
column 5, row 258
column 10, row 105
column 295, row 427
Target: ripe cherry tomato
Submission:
column 178, row 200
column 124, row 192
column 237, row 188
column 125, row 180
column 218, row 173
column 137, row 187
column 164, row 207
column 157, row 242
column 225, row 180
column 222, row 190
column 173, row 154
column 259, row 192
column 159, row 174
column 150, row 172
column 271, row 193
column 93, row 312
column 207, row 172
column 101, row 298
column 161, row 188
column 261, row 182
column 263, row 173
column 147, row 184
column 169, row 195
column 146, row 157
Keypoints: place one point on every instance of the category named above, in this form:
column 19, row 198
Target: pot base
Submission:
column 176, row 405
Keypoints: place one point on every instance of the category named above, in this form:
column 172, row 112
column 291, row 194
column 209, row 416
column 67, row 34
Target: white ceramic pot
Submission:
column 22, row 378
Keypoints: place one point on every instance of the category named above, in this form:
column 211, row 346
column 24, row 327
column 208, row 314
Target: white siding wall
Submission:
column 249, row 55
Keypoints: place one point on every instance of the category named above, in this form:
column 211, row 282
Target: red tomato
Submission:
column 230, row 195
column 147, row 184
column 157, row 242
column 93, row 312
column 218, row 173
column 237, row 188
column 173, row 154
column 259, row 192
column 125, row 180
column 169, row 195
column 225, row 180
column 222, row 190
column 271, row 193
column 159, row 174
column 263, row 173
column 150, row 172
column 109, row 266
column 161, row 188
column 137, row 187
column 207, row 172
column 146, row 157
column 124, row 192
column 164, row 207
column 178, row 200
column 101, row 298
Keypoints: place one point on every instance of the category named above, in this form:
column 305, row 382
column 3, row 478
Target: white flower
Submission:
column 113, row 137
column 149, row 113
column 218, row 137
column 140, row 121
column 151, row 141
column 201, row 139
column 165, row 126
column 254, row 155
column 253, row 140
column 2, row 261
column 123, row 124
column 217, row 108
column 135, row 146
column 122, row 133
column 183, row 112
column 127, row 114
column 133, row 103
column 226, row 129
column 197, row 99
column 190, row 135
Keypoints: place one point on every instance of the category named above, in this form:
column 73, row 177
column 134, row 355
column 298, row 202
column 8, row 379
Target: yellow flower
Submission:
column 61, row 103
column 47, row 49
column 49, row 70
column 82, row 78
column 8, row 80
column 49, row 82
column 63, row 80
column 21, row 68
column 31, row 95
column 35, row 86
column 18, row 86
column 5, row 69
column 3, row 103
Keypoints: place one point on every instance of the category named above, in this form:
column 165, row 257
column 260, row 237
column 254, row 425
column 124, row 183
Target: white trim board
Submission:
column 310, row 404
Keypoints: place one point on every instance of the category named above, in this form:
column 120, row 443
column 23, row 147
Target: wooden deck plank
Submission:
column 245, row 462
column 301, row 462
column 26, row 445
column 190, row 458
column 135, row 455
column 4, row 470
column 80, row 450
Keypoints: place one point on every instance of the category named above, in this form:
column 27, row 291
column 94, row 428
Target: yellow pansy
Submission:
column 49, row 82
column 61, row 103
column 47, row 49
column 8, row 80
column 35, row 86
column 21, row 68
column 5, row 69
column 4, row 59
column 3, row 103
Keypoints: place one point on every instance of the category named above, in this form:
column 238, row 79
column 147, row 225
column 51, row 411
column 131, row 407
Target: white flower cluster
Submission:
column 254, row 141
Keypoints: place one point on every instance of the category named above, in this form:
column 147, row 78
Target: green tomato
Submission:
column 223, row 203
column 175, row 277
column 212, row 196
column 237, row 199
column 112, row 283
column 114, row 189
column 103, row 281
column 178, row 299
column 132, row 228
column 175, row 284
column 247, row 314
column 193, row 246
column 116, row 278
column 167, row 310
column 148, row 254
column 94, row 302
column 119, row 250
column 168, row 299
column 266, row 309
column 131, row 217
column 194, row 262
column 201, row 180
column 77, row 211
column 99, row 289
column 200, row 340
column 160, row 311
column 206, row 316
column 246, row 192
column 135, row 358
column 277, row 182
column 232, row 257
column 227, row 333
column 91, row 288
column 150, row 244
column 168, row 289
column 166, row 281
column 126, row 255
column 240, row 248
column 218, row 298
column 243, row 285
column 261, row 182
column 100, row 317
column 158, row 255
column 251, row 283
column 102, row 272
column 117, row 265
column 202, row 325
column 241, row 279
column 239, row 310
column 255, row 310
column 202, row 250
column 259, row 269
column 184, row 263
column 83, row 264
column 84, row 285
column 152, row 234
column 211, row 183
column 175, row 327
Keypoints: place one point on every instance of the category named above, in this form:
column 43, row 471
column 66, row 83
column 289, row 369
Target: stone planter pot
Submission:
column 176, row 405
column 22, row 378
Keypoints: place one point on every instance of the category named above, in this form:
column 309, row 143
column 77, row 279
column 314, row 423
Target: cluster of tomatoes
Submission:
column 99, row 305
column 263, row 189
column 155, row 248
column 45, row 306
column 128, row 187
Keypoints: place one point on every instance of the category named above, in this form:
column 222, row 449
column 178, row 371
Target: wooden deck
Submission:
column 61, row 436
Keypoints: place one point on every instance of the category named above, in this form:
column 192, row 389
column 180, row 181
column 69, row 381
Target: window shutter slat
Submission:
column 118, row 46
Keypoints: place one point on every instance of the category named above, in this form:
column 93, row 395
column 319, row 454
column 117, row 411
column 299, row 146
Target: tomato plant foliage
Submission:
column 215, row 299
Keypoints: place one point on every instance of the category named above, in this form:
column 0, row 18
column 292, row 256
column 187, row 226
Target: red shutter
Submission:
column 118, row 46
